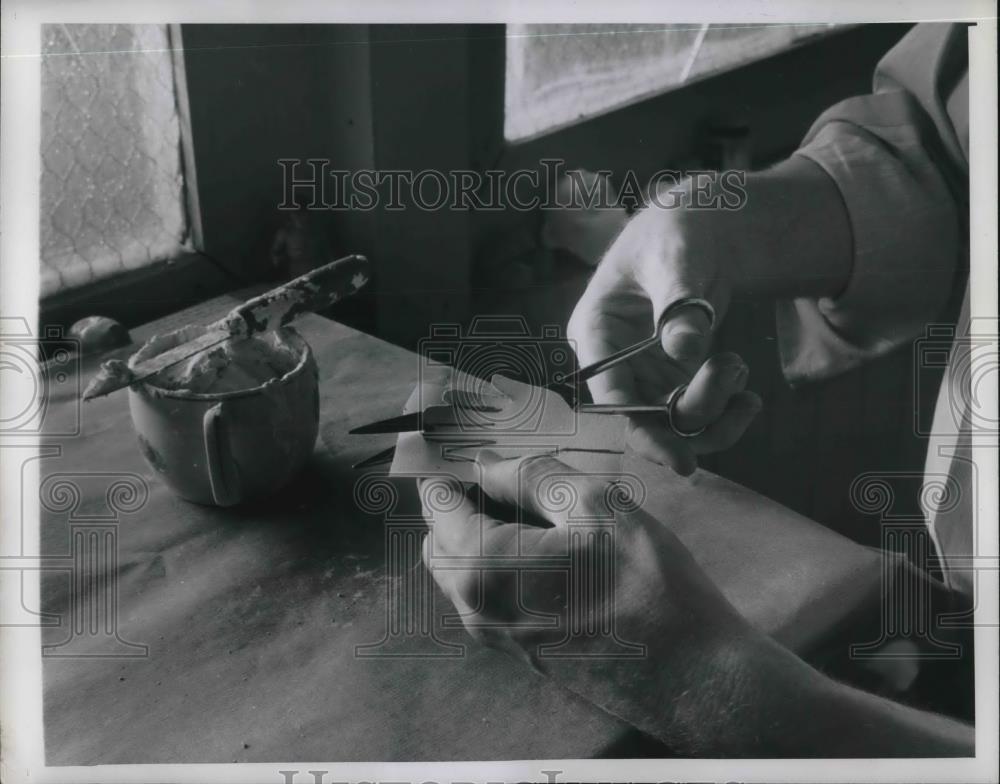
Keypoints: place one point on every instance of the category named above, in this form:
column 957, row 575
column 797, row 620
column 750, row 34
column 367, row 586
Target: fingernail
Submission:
column 736, row 373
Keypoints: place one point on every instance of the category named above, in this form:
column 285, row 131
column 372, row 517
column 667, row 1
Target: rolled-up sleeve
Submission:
column 899, row 193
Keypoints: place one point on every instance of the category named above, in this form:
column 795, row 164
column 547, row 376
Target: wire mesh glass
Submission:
column 558, row 74
column 112, row 186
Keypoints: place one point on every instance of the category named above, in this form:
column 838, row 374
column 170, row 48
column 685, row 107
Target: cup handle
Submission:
column 219, row 467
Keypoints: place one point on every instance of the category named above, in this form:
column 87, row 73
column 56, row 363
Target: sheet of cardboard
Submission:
column 529, row 420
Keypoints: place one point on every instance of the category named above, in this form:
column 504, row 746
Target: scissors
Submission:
column 450, row 422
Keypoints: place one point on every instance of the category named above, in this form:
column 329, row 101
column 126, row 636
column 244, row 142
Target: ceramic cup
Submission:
column 226, row 447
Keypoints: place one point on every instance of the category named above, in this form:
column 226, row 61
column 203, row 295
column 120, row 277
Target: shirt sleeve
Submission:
column 901, row 191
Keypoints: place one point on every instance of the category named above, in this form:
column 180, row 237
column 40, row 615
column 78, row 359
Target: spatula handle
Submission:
column 313, row 291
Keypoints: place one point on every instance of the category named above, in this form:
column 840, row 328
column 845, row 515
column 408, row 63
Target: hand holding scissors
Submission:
column 703, row 412
column 689, row 411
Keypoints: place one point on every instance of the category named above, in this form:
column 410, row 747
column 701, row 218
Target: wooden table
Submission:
column 252, row 616
column 281, row 629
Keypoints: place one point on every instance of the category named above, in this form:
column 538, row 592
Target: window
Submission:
column 558, row 74
column 112, row 185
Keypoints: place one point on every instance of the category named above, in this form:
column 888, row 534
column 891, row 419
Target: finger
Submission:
column 611, row 314
column 650, row 438
column 454, row 583
column 539, row 485
column 458, row 526
column 740, row 412
column 708, row 394
column 596, row 334
column 616, row 384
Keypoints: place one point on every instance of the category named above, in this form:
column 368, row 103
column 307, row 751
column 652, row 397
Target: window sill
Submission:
column 141, row 295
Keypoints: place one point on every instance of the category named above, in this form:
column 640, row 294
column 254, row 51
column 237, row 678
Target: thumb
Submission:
column 686, row 332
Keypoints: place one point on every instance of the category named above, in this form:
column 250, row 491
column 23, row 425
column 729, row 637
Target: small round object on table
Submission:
column 98, row 334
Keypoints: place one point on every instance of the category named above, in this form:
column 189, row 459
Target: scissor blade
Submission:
column 431, row 418
column 587, row 372
column 385, row 456
column 625, row 408
column 405, row 423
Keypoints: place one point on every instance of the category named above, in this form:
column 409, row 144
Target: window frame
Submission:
column 656, row 92
column 778, row 121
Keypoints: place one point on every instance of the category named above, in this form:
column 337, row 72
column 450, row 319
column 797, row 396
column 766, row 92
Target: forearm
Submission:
column 777, row 704
column 791, row 237
column 752, row 698
column 855, row 723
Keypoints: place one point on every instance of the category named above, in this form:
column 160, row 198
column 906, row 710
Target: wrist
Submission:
column 794, row 234
column 792, row 709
